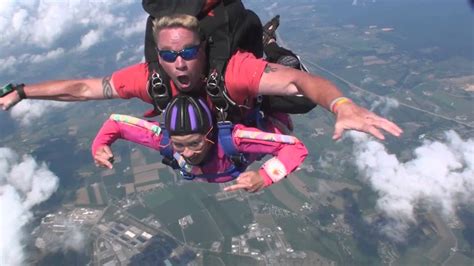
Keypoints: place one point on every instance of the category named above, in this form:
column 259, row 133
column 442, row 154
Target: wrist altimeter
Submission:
column 19, row 88
column 6, row 89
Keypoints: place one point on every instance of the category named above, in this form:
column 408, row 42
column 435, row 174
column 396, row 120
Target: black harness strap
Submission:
column 158, row 87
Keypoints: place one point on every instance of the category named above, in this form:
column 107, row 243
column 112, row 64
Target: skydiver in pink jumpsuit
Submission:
column 191, row 139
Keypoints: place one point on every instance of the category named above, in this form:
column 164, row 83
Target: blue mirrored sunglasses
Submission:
column 187, row 54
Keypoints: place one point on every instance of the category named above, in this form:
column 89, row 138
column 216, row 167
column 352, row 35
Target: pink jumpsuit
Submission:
column 288, row 152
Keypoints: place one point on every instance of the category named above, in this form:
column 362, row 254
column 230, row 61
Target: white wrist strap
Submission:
column 275, row 169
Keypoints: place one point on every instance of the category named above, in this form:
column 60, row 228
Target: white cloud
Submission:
column 27, row 111
column 387, row 104
column 19, row 19
column 90, row 39
column 53, row 54
column 118, row 56
column 439, row 176
column 40, row 24
column 23, row 184
column 39, row 31
column 7, row 64
column 73, row 238
column 138, row 26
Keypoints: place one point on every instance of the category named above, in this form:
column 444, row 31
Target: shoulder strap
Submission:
column 225, row 140
column 167, row 151
column 159, row 87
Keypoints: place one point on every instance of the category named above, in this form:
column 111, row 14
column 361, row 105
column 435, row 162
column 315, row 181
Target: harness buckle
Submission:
column 159, row 91
column 221, row 114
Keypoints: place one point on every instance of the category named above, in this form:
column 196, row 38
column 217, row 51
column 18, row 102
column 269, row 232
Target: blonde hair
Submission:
column 176, row 21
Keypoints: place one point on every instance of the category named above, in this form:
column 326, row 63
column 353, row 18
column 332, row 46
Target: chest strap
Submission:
column 158, row 87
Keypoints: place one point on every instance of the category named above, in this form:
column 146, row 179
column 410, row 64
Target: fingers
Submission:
column 363, row 120
column 338, row 130
column 375, row 123
column 390, row 127
column 236, row 187
column 250, row 181
column 107, row 151
column 9, row 100
column 247, row 187
column 5, row 106
column 104, row 157
column 375, row 132
column 102, row 162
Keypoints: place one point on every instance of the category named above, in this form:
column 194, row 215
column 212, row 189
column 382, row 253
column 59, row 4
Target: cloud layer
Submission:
column 439, row 176
column 23, row 184
column 45, row 39
column 38, row 30
column 27, row 111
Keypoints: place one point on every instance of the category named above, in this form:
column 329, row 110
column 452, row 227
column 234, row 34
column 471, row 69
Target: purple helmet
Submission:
column 186, row 115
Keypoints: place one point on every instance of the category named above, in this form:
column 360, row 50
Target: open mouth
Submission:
column 184, row 80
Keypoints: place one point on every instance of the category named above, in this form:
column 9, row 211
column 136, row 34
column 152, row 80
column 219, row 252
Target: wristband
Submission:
column 20, row 89
column 266, row 179
column 275, row 169
column 338, row 101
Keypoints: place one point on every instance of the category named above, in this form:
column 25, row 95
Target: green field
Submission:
column 155, row 198
column 166, row 176
column 114, row 192
column 212, row 259
column 235, row 260
column 138, row 211
column 229, row 215
column 303, row 236
column 176, row 231
column 294, row 192
column 203, row 231
column 176, row 208
column 269, row 198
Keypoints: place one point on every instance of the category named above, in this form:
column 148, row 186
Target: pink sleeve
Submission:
column 131, row 82
column 112, row 130
column 290, row 155
column 242, row 76
column 267, row 180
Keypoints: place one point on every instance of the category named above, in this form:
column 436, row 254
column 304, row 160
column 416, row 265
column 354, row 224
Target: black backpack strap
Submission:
column 218, row 31
column 287, row 104
column 151, row 54
column 221, row 100
column 159, row 87
column 159, row 8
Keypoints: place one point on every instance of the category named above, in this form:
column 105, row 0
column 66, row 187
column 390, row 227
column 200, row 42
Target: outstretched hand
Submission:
column 104, row 157
column 351, row 116
column 9, row 100
column 250, row 181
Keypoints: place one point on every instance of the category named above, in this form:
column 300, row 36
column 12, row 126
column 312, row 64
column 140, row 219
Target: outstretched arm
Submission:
column 124, row 127
column 288, row 152
column 281, row 80
column 64, row 90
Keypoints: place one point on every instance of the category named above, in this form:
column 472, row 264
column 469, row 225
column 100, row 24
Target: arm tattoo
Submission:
column 269, row 69
column 107, row 88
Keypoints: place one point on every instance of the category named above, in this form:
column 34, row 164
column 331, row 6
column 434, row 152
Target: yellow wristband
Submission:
column 338, row 101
